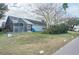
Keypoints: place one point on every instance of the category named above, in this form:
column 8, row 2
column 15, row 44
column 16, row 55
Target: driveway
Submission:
column 72, row 48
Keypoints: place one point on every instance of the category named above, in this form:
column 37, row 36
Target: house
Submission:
column 76, row 28
column 2, row 22
column 16, row 24
column 2, row 25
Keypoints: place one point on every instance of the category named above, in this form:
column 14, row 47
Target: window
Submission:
column 29, row 27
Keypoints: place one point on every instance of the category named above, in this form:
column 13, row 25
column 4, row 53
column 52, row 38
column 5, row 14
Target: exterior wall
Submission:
column 24, row 25
column 24, row 28
column 37, row 28
column 18, row 27
column 76, row 28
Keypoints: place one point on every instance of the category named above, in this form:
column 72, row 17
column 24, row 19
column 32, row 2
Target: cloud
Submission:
column 20, row 6
column 73, row 9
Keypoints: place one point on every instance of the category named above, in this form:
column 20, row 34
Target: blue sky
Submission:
column 73, row 9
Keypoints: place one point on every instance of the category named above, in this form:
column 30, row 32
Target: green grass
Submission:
column 31, row 43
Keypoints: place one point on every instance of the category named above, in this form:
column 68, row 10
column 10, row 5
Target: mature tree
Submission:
column 51, row 13
column 3, row 9
column 72, row 22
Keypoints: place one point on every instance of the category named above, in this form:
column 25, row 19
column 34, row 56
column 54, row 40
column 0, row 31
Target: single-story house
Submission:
column 76, row 28
column 16, row 24
column 2, row 23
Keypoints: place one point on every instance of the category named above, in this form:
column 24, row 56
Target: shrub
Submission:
column 0, row 29
column 57, row 29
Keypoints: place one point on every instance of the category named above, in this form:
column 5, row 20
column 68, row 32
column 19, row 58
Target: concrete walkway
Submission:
column 72, row 48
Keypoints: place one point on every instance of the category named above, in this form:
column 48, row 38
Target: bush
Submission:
column 57, row 29
column 0, row 29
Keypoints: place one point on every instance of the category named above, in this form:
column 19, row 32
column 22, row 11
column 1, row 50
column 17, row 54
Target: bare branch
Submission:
column 50, row 12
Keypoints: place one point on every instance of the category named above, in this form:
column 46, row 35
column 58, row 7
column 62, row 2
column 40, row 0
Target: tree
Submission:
column 3, row 9
column 65, row 6
column 51, row 13
column 72, row 22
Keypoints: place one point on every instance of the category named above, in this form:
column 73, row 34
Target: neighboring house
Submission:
column 2, row 25
column 76, row 28
column 2, row 22
column 16, row 24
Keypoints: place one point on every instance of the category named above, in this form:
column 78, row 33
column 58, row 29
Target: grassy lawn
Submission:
column 33, row 43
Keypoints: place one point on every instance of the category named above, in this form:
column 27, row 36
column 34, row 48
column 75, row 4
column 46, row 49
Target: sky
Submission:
column 23, row 10
column 73, row 9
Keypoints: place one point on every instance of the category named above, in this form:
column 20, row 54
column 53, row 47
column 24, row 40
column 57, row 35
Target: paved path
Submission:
column 72, row 48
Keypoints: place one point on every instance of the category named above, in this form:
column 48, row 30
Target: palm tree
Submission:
column 65, row 6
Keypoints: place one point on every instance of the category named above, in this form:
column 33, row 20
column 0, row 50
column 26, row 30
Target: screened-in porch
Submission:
column 19, row 27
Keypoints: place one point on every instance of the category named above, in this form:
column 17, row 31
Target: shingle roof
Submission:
column 16, row 19
column 13, row 19
column 29, row 21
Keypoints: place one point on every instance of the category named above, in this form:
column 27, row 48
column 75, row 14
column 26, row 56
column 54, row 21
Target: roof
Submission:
column 29, row 21
column 36, row 22
column 16, row 19
column 13, row 19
